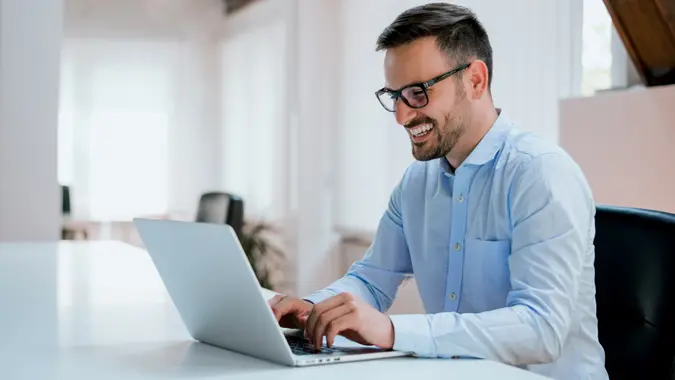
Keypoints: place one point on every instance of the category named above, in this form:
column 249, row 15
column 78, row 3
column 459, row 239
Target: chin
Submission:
column 423, row 156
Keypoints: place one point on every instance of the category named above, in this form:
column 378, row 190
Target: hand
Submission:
column 352, row 318
column 290, row 312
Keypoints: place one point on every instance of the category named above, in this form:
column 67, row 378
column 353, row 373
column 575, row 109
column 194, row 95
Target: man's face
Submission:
column 434, row 129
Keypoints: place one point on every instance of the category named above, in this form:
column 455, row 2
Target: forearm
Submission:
column 375, row 286
column 516, row 335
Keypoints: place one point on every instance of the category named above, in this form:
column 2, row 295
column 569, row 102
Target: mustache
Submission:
column 424, row 120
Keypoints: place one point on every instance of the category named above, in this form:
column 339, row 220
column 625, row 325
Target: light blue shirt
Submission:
column 502, row 253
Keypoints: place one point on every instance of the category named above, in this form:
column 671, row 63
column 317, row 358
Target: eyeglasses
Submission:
column 413, row 95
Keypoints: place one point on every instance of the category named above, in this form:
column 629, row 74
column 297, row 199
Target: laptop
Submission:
column 220, row 301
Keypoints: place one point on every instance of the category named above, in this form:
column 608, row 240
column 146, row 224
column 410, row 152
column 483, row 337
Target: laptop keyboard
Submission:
column 301, row 346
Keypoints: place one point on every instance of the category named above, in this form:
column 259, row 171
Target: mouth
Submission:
column 420, row 133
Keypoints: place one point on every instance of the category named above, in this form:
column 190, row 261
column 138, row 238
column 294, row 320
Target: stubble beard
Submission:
column 447, row 135
column 446, row 138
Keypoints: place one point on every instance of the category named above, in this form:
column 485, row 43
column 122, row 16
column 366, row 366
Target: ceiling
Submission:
column 150, row 17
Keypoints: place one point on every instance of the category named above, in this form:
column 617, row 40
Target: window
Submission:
column 128, row 167
column 597, row 48
column 115, row 108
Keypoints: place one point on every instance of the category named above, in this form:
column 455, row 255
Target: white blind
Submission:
column 116, row 103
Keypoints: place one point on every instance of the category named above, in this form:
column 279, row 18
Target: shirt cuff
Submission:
column 412, row 334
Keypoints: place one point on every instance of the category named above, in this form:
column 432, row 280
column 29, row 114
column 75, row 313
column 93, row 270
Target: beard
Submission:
column 445, row 136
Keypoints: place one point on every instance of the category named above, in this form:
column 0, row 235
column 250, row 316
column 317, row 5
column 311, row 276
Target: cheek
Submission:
column 437, row 112
column 430, row 113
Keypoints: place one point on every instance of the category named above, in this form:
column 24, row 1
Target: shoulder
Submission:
column 540, row 173
column 530, row 157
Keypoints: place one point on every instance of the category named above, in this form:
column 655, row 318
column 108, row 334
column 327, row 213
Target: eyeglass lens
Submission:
column 414, row 96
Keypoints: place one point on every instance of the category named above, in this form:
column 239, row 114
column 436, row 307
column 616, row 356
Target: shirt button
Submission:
column 457, row 247
column 460, row 199
column 452, row 296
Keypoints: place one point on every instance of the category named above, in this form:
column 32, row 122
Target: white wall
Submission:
column 286, row 163
column 194, row 157
column 623, row 142
column 30, row 44
column 317, row 124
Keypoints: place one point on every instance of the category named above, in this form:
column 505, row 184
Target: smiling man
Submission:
column 495, row 224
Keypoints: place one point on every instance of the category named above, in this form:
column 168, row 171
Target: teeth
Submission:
column 420, row 129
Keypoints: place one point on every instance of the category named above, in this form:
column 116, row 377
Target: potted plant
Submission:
column 264, row 256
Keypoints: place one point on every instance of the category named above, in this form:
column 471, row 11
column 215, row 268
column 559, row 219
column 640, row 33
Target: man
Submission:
column 496, row 224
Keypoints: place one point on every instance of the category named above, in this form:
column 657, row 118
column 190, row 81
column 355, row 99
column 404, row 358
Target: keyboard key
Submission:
column 301, row 346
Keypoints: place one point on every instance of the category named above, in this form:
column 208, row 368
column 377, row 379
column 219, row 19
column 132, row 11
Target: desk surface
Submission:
column 84, row 310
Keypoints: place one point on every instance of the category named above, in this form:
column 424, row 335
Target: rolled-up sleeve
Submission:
column 551, row 216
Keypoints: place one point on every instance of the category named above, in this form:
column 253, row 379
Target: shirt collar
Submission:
column 489, row 145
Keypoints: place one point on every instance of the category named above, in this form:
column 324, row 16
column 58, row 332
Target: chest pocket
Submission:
column 486, row 276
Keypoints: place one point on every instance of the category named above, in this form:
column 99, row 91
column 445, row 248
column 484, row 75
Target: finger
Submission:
column 316, row 313
column 281, row 308
column 275, row 300
column 338, row 325
column 322, row 307
column 299, row 318
column 326, row 318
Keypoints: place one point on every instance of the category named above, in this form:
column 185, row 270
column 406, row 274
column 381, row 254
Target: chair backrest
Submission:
column 635, row 280
column 65, row 200
column 221, row 208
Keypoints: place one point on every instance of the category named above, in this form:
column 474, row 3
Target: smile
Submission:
column 419, row 132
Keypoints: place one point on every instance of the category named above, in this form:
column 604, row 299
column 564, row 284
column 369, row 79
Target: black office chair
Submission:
column 65, row 200
column 69, row 231
column 635, row 280
column 221, row 207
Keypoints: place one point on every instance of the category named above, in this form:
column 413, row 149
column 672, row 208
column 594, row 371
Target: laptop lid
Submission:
column 213, row 286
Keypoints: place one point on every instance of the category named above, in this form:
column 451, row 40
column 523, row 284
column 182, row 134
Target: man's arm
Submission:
column 376, row 278
column 551, row 215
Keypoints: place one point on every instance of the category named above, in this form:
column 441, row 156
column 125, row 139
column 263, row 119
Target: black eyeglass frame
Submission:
column 398, row 94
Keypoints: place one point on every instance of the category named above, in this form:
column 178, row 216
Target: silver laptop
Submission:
column 217, row 294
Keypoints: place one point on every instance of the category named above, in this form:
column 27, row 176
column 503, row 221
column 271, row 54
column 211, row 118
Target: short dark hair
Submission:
column 457, row 30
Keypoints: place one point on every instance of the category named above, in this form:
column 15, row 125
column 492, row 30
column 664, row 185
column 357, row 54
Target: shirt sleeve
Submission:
column 552, row 219
column 376, row 278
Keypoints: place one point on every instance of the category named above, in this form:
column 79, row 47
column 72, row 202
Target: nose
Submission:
column 404, row 114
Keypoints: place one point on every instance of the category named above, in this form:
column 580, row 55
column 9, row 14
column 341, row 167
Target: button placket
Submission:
column 458, row 228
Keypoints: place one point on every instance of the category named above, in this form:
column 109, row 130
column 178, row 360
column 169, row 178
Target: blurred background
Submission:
column 262, row 111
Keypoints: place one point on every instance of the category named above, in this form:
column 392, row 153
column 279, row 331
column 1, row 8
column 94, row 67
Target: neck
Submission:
column 479, row 126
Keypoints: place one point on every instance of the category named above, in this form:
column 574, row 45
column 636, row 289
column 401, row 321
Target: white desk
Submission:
column 98, row 310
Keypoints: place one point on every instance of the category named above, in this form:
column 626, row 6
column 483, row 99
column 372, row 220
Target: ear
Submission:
column 477, row 79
